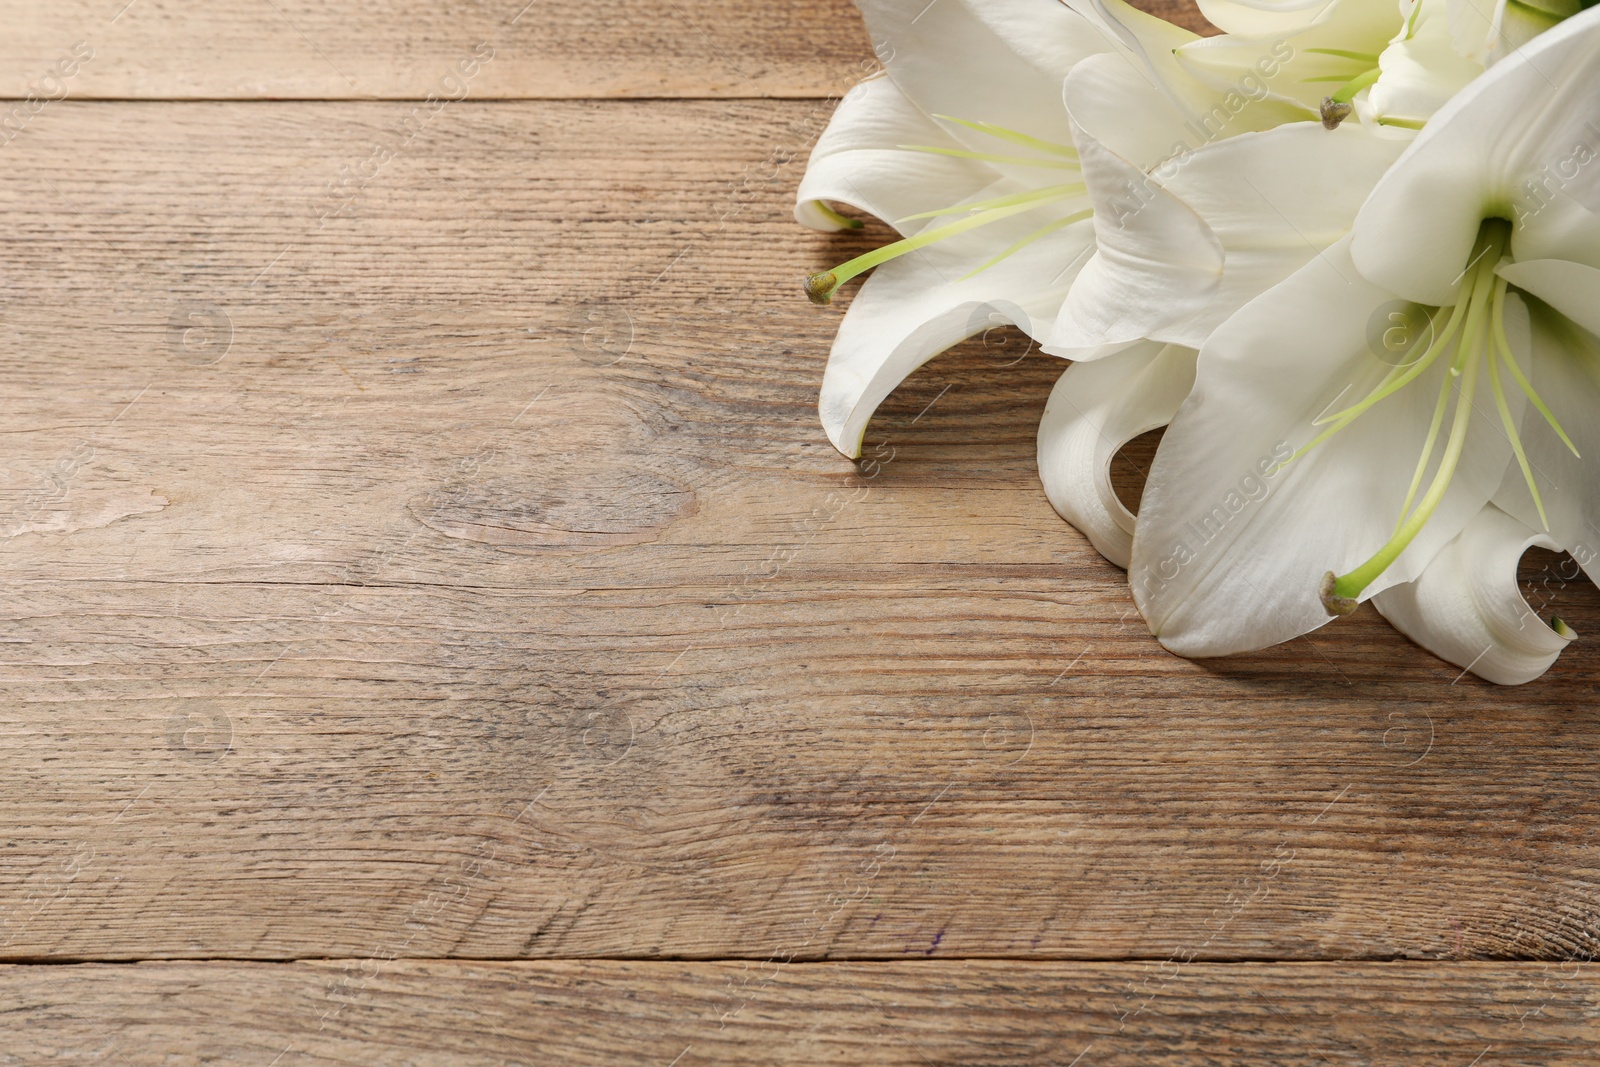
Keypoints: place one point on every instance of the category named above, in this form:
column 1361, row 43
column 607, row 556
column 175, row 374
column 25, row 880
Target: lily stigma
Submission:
column 821, row 286
column 1474, row 336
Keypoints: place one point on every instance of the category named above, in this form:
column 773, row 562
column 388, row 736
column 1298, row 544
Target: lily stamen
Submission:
column 1527, row 387
column 1428, row 445
column 1397, row 378
column 966, row 153
column 1043, row 231
column 1338, row 106
column 1497, row 326
column 1402, row 375
column 1350, row 87
column 821, row 286
column 1052, row 192
column 1014, row 136
column 1368, row 59
column 1482, row 320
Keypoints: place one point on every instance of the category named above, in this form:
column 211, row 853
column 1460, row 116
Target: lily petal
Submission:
column 1489, row 34
column 1282, row 18
column 856, row 161
column 1231, row 544
column 1148, row 113
column 1564, row 369
column 1571, row 288
column 1475, row 27
column 1417, row 230
column 1466, row 607
column 1422, row 70
column 1157, row 264
column 1550, row 222
column 1266, row 204
column 998, row 61
column 992, row 36
column 913, row 308
column 1521, row 23
column 1275, row 200
column 1094, row 410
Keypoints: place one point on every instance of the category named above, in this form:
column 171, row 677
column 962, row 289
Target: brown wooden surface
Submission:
column 308, row 49
column 895, row 1015
column 447, row 565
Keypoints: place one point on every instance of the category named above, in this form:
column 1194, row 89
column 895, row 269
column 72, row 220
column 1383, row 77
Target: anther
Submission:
column 820, row 286
column 1334, row 112
column 1334, row 604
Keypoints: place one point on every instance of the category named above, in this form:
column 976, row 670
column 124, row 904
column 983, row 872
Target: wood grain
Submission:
column 311, row 50
column 602, row 1012
column 462, row 572
column 305, row 49
column 439, row 632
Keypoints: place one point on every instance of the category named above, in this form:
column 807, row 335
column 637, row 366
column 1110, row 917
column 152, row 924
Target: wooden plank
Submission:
column 684, row 1014
column 465, row 574
column 303, row 49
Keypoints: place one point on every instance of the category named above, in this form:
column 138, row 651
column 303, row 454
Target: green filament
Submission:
column 1482, row 344
column 821, row 286
column 1051, row 192
column 1527, row 386
column 1014, row 136
column 1498, row 326
column 1019, row 161
column 1411, row 20
column 1397, row 379
column 836, row 218
column 1428, row 446
column 1349, row 586
column 1348, row 91
column 1407, row 373
column 1043, row 231
column 1367, row 58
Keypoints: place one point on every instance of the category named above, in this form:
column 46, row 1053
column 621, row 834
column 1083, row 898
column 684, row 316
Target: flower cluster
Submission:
column 1347, row 252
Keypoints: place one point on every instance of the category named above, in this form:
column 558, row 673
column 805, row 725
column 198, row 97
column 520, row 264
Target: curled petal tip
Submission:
column 1334, row 112
column 820, row 286
column 1334, row 604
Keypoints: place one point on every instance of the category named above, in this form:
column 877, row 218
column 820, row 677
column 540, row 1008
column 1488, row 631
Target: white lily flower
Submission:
column 1272, row 191
column 1269, row 202
column 965, row 146
column 1313, row 468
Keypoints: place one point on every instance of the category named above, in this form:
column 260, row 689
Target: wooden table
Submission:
column 438, row 630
